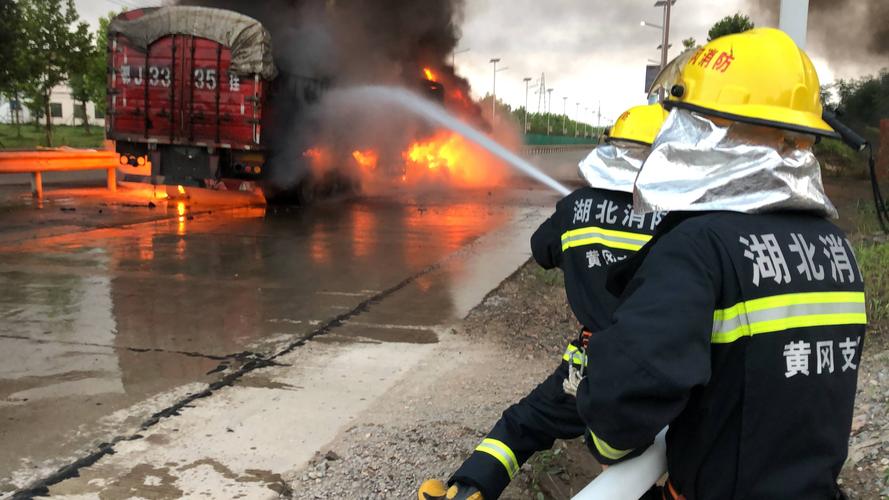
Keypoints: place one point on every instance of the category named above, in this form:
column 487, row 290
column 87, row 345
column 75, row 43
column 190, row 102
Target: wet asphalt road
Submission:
column 112, row 313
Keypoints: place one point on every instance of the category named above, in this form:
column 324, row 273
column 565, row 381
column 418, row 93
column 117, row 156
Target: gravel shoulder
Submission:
column 866, row 474
column 427, row 425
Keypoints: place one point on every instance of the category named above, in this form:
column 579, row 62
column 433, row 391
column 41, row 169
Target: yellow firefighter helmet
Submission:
column 639, row 124
column 759, row 77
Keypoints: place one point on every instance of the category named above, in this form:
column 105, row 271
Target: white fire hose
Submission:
column 631, row 479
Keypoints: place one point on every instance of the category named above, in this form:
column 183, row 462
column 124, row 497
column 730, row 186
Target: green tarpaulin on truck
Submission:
column 250, row 42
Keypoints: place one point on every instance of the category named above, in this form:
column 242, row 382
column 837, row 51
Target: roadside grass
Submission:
column 838, row 160
column 873, row 258
column 551, row 278
column 872, row 252
column 63, row 135
column 865, row 219
column 545, row 464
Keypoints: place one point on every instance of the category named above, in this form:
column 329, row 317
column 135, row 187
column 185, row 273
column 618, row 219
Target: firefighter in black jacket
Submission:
column 591, row 229
column 740, row 326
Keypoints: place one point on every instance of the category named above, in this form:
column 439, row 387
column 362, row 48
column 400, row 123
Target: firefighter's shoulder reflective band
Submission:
column 622, row 240
column 502, row 453
column 783, row 312
column 606, row 450
column 574, row 355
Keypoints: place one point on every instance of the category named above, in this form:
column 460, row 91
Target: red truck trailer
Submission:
column 189, row 92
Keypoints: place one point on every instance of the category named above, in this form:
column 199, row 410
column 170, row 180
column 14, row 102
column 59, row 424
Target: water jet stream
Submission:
column 439, row 116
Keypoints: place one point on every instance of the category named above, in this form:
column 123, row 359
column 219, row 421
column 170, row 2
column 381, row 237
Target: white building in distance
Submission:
column 64, row 109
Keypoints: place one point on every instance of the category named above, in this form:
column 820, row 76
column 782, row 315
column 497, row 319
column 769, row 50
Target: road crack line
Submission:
column 253, row 362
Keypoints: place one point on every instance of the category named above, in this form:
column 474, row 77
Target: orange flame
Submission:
column 429, row 74
column 181, row 211
column 313, row 153
column 448, row 157
column 320, row 159
column 444, row 159
column 367, row 159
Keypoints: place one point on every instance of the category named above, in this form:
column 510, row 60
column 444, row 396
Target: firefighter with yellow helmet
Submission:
column 740, row 325
column 591, row 229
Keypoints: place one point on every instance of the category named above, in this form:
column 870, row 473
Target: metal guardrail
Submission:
column 555, row 148
column 38, row 162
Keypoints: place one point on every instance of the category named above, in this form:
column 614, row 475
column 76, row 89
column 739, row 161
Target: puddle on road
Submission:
column 222, row 284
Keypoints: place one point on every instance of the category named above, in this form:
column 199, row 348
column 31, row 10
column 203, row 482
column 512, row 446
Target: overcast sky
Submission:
column 592, row 51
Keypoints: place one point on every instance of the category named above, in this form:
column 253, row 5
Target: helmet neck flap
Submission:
column 702, row 164
column 614, row 166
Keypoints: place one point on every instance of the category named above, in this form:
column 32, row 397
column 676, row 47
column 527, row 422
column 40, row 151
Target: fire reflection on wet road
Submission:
column 97, row 322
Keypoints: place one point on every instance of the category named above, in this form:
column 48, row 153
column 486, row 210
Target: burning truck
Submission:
column 196, row 99
column 190, row 93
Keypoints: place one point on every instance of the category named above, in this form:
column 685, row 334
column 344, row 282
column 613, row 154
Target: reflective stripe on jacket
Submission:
column 591, row 230
column 744, row 334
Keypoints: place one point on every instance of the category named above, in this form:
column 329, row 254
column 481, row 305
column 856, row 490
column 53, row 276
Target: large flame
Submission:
column 449, row 158
column 442, row 159
column 429, row 74
column 367, row 159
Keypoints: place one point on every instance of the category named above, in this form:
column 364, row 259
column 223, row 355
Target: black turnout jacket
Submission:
column 591, row 230
column 743, row 334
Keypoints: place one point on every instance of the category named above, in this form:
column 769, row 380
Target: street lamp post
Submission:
column 564, row 116
column 665, row 43
column 549, row 111
column 454, row 56
column 599, row 122
column 527, row 89
column 794, row 20
column 660, row 47
column 494, row 61
column 576, row 117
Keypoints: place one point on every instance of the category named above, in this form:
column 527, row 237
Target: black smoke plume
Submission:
column 354, row 42
column 847, row 32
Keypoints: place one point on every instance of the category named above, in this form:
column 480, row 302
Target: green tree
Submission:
column 15, row 71
column 728, row 25
column 35, row 101
column 96, row 71
column 88, row 79
column 503, row 109
column 827, row 95
column 57, row 46
column 689, row 43
column 537, row 124
column 80, row 94
column 864, row 102
column 10, row 20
